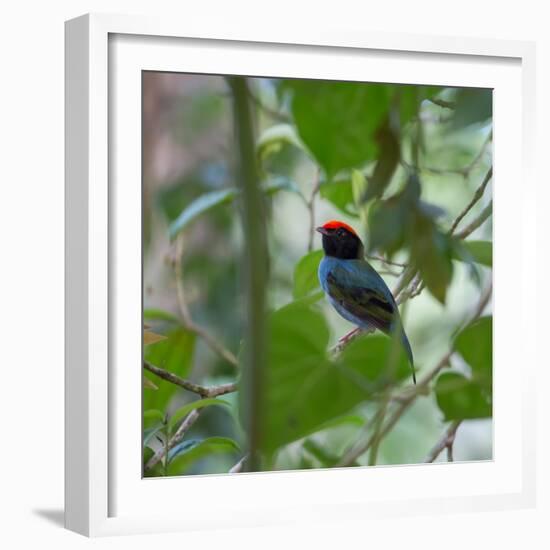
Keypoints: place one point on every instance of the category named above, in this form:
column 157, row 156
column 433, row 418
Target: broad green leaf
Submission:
column 475, row 344
column 174, row 354
column 473, row 105
column 374, row 361
column 358, row 186
column 337, row 120
column 306, row 279
column 480, row 251
column 460, row 398
column 431, row 252
column 188, row 456
column 273, row 138
column 305, row 388
column 323, row 455
column 150, row 337
column 150, row 433
column 159, row 315
column 390, row 221
column 199, row 404
column 182, row 447
column 340, row 194
column 410, row 97
column 199, row 206
column 151, row 415
column 149, row 384
column 388, row 159
column 280, row 183
column 352, row 419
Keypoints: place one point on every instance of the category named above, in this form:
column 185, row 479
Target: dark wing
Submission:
column 363, row 293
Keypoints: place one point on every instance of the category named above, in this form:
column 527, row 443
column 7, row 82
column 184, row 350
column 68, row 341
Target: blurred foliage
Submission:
column 398, row 162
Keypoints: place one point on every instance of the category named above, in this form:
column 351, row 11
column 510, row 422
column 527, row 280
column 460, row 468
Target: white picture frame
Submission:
column 104, row 492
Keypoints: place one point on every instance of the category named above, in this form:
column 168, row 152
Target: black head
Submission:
column 341, row 241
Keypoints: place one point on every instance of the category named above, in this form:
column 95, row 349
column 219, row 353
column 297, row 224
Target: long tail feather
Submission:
column 407, row 346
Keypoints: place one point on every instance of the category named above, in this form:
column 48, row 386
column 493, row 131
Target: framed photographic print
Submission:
column 286, row 275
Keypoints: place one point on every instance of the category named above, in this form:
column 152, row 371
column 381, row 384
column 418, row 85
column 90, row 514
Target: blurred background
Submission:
column 193, row 243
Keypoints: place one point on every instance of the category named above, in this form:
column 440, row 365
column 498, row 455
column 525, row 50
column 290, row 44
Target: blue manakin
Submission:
column 353, row 286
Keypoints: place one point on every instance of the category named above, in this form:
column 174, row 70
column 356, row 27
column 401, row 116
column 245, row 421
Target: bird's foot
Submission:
column 349, row 336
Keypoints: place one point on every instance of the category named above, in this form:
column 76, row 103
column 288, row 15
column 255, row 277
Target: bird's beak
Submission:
column 321, row 230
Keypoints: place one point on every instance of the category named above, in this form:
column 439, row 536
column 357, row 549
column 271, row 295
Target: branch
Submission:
column 386, row 261
column 185, row 314
column 203, row 391
column 422, row 388
column 188, row 421
column 446, row 441
column 255, row 270
column 487, row 211
column 465, row 171
column 477, row 195
column 355, row 452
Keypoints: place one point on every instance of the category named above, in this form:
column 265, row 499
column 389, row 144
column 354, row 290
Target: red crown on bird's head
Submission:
column 336, row 224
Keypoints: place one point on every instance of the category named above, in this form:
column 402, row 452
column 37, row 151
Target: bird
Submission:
column 354, row 287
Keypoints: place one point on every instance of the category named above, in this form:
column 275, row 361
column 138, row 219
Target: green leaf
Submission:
column 191, row 454
column 480, row 251
column 150, row 433
column 150, row 337
column 473, row 105
column 182, row 412
column 460, row 398
column 280, row 183
column 149, row 384
column 174, row 354
column 388, row 159
column 358, row 186
column 337, row 120
column 305, row 389
column 475, row 344
column 159, row 315
column 274, row 138
column 351, row 419
column 306, row 279
column 340, row 194
column 199, row 206
column 325, row 457
column 151, row 415
column 432, row 252
column 410, row 97
column 389, row 221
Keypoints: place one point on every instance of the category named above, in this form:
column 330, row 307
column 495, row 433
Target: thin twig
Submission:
column 386, row 261
column 185, row 314
column 446, row 441
column 420, row 389
column 354, row 453
column 465, row 171
column 187, row 422
column 239, row 466
column 203, row 391
column 486, row 213
column 477, row 195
